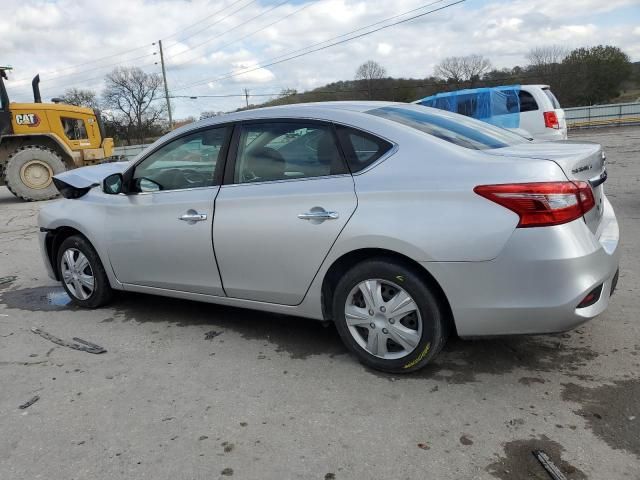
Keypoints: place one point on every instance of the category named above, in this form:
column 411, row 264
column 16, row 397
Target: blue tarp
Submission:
column 498, row 106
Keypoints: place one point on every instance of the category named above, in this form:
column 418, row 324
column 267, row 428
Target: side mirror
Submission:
column 113, row 184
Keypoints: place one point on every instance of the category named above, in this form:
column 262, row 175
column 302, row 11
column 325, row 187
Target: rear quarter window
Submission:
column 457, row 129
column 361, row 149
column 552, row 97
column 527, row 102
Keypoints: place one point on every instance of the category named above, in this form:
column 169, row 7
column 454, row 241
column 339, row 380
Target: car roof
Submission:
column 320, row 110
column 535, row 85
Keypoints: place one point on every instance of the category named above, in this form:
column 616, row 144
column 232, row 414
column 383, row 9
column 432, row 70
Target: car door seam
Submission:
column 332, row 244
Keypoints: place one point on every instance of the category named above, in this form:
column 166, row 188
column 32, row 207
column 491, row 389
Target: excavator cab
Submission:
column 39, row 140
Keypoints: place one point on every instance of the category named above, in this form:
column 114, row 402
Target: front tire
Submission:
column 82, row 273
column 388, row 316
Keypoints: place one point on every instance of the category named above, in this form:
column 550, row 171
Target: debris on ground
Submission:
column 227, row 472
column 95, row 348
column 82, row 345
column 211, row 335
column 29, row 403
column 423, row 446
column 465, row 440
column 6, row 280
column 553, row 471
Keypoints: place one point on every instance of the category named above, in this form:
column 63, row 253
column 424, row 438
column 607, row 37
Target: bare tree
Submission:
column 131, row 96
column 540, row 56
column 370, row 72
column 463, row 69
column 80, row 98
column 545, row 61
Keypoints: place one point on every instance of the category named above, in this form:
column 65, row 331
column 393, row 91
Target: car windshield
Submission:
column 457, row 129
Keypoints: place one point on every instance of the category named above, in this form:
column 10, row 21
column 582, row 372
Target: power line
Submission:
column 94, row 68
column 260, row 29
column 202, row 20
column 89, row 62
column 80, row 82
column 358, row 30
column 124, row 52
column 269, row 64
column 227, row 31
column 216, row 22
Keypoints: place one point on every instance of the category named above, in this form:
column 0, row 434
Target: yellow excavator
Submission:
column 39, row 140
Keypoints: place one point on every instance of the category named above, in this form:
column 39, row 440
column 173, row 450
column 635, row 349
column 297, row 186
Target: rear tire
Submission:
column 30, row 170
column 82, row 274
column 388, row 316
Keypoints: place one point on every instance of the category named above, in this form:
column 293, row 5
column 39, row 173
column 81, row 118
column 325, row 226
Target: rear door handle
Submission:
column 192, row 216
column 319, row 215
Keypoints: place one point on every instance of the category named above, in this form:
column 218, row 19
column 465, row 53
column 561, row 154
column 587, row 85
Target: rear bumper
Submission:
column 536, row 283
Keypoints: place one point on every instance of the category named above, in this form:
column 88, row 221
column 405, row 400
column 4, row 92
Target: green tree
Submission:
column 593, row 75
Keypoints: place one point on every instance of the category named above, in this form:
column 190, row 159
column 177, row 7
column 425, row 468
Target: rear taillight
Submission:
column 542, row 204
column 551, row 120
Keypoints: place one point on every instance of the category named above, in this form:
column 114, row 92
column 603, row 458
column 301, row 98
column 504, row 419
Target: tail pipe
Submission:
column 35, row 84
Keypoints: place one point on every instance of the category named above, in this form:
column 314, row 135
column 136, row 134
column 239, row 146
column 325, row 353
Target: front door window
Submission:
column 186, row 162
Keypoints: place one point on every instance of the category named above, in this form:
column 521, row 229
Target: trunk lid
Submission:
column 579, row 161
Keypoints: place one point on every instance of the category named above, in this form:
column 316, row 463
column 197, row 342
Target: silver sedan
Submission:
column 399, row 223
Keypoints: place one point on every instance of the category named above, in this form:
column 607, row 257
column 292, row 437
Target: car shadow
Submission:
column 461, row 361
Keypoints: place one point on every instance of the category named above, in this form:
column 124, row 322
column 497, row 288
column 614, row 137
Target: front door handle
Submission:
column 318, row 214
column 192, row 217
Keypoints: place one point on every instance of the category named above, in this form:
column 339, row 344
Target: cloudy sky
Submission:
column 208, row 44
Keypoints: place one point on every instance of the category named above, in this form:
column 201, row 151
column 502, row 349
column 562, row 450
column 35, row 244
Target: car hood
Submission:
column 75, row 183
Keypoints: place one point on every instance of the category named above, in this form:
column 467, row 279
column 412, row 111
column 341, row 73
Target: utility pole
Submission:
column 166, row 89
column 246, row 96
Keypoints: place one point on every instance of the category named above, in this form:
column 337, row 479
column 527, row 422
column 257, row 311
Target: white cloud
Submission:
column 247, row 72
column 384, row 48
column 81, row 31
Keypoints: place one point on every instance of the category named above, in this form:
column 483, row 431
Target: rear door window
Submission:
column 527, row 102
column 361, row 149
column 271, row 151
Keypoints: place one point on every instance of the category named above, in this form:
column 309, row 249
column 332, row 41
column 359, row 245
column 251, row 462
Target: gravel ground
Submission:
column 195, row 391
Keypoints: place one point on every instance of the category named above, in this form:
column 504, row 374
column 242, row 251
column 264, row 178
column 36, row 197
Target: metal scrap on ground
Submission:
column 553, row 471
column 83, row 345
column 211, row 335
column 29, row 403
